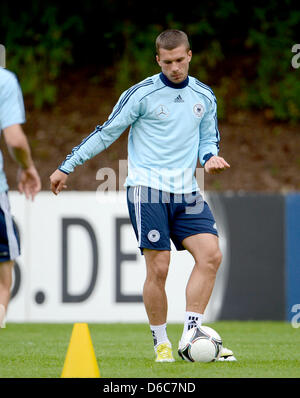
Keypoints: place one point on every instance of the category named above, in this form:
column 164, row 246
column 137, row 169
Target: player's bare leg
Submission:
column 5, row 286
column 154, row 294
column 155, row 301
column 207, row 255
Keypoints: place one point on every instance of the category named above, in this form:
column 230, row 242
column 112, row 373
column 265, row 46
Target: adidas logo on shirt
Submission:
column 178, row 99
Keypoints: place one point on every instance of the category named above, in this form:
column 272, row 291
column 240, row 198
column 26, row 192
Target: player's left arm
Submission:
column 209, row 141
column 12, row 115
column 29, row 181
column 216, row 164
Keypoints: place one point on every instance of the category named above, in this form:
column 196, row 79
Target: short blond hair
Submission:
column 170, row 39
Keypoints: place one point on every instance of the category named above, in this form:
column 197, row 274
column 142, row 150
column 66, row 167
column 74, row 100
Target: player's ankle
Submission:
column 159, row 334
column 192, row 319
column 2, row 316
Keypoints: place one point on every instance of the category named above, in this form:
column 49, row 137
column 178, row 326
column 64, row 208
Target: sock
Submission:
column 192, row 320
column 2, row 316
column 159, row 334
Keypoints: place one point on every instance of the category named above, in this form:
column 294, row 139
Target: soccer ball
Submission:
column 201, row 345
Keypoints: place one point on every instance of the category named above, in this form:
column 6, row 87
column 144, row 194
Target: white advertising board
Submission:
column 80, row 262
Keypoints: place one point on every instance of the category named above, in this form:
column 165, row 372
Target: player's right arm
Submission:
column 125, row 112
column 12, row 115
column 29, row 181
column 58, row 181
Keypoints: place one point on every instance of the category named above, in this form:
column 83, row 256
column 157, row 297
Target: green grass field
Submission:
column 263, row 350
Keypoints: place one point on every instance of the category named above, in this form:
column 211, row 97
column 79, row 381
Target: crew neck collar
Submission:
column 168, row 82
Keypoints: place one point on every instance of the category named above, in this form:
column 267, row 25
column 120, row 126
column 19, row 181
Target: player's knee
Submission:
column 217, row 258
column 5, row 286
column 211, row 262
column 214, row 259
column 160, row 271
column 157, row 268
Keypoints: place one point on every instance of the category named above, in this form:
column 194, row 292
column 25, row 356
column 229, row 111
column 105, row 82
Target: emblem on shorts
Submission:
column 198, row 110
column 162, row 112
column 153, row 236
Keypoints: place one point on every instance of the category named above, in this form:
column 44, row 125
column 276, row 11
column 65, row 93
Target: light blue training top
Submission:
column 172, row 125
column 11, row 110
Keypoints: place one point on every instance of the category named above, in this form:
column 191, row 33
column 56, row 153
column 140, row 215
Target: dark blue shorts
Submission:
column 9, row 237
column 158, row 216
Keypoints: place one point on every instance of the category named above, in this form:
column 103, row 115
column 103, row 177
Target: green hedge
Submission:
column 242, row 50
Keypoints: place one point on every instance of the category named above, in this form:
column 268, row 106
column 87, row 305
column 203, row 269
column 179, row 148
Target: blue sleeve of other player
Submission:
column 11, row 103
column 125, row 112
column 209, row 134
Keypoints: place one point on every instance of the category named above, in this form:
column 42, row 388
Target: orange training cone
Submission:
column 80, row 359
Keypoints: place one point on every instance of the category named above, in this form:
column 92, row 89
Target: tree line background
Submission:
column 243, row 50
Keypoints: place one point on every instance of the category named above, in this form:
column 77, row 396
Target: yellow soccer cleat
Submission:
column 164, row 353
column 226, row 355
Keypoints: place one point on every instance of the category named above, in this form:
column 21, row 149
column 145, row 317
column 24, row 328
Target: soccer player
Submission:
column 12, row 115
column 173, row 119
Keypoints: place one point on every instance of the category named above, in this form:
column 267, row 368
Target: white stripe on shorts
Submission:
column 12, row 240
column 137, row 207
